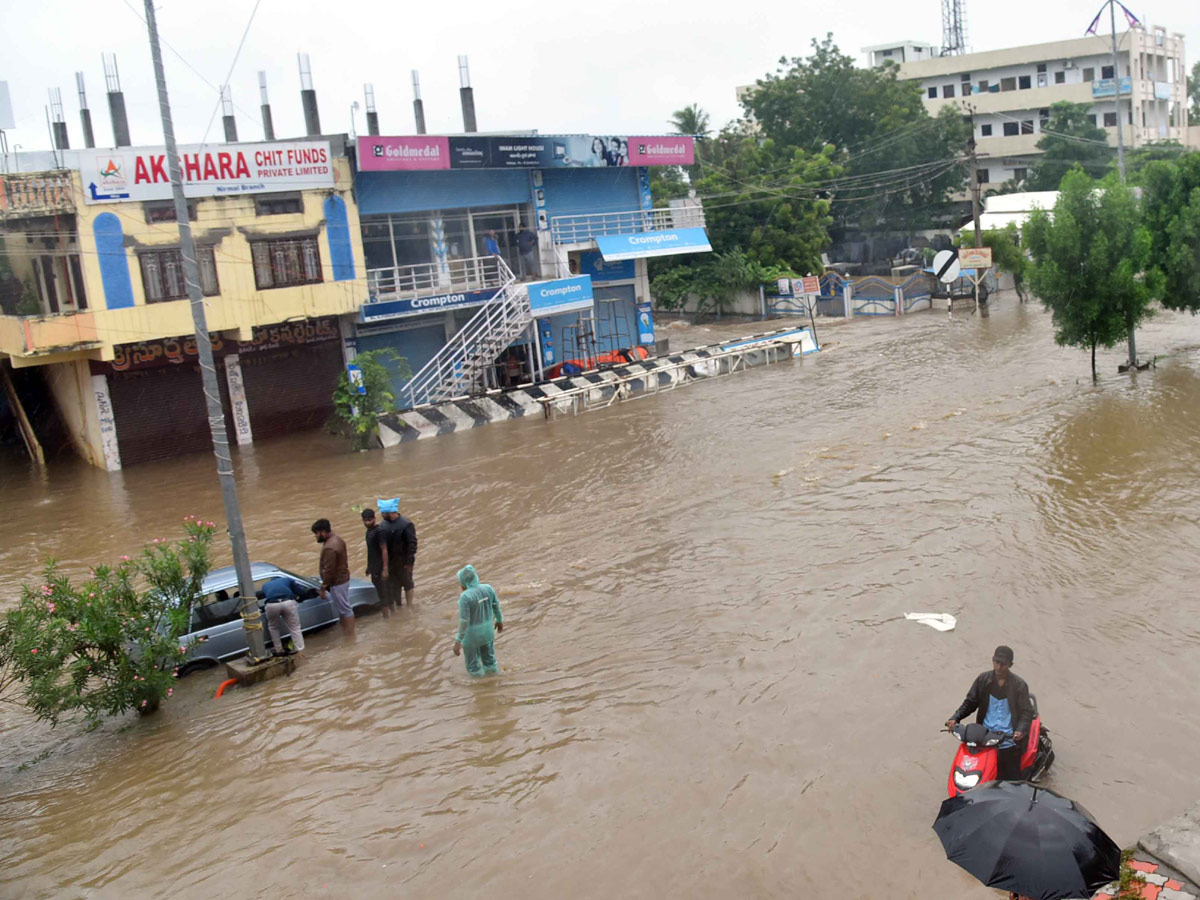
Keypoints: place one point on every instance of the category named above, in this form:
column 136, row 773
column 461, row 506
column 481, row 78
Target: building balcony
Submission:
column 1019, row 145
column 36, row 194
column 1007, row 101
column 583, row 230
column 479, row 273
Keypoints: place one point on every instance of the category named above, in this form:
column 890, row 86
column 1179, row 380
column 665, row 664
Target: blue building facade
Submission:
column 456, row 229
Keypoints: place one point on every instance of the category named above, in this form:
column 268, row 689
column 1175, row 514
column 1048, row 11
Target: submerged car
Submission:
column 215, row 632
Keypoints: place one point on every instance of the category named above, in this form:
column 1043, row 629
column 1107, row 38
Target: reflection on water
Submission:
column 706, row 682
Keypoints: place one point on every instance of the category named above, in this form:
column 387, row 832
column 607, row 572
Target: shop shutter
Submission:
column 291, row 389
column 160, row 413
column 417, row 345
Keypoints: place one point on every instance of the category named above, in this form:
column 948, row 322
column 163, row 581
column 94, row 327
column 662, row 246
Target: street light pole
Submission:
column 1112, row 15
column 251, row 617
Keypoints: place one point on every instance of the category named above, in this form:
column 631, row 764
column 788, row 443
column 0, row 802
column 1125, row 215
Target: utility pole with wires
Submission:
column 973, row 162
column 251, row 617
column 1116, row 65
column 975, row 188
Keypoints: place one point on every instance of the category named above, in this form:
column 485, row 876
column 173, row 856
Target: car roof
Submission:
column 227, row 575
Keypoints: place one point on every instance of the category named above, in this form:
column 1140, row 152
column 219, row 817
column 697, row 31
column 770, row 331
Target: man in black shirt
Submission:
column 1000, row 700
column 375, row 546
column 400, row 542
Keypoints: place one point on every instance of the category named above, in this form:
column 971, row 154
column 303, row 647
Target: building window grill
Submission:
column 162, row 274
column 286, row 263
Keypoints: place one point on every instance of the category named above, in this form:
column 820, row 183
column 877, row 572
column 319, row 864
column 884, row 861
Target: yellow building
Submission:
column 94, row 295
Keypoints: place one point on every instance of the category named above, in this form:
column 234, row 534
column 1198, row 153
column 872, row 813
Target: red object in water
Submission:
column 224, row 684
column 977, row 760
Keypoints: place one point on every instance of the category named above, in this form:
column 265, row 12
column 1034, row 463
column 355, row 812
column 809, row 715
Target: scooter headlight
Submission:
column 964, row 781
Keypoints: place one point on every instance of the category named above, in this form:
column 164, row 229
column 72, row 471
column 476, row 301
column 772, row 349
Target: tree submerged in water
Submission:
column 111, row 643
column 1092, row 262
column 359, row 405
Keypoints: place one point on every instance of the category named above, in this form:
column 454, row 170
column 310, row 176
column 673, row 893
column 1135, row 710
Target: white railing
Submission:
column 460, row 367
column 580, row 229
column 479, row 273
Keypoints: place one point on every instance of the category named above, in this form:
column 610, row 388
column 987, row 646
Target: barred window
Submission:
column 284, row 263
column 162, row 274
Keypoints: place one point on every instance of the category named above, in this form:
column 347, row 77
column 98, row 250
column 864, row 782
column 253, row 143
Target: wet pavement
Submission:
column 707, row 685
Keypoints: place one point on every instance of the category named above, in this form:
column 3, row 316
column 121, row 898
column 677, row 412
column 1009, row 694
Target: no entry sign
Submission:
column 945, row 266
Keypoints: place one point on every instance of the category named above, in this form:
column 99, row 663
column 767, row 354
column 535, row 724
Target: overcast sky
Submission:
column 579, row 67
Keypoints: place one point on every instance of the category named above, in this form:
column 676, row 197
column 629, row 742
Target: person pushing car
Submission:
column 1000, row 701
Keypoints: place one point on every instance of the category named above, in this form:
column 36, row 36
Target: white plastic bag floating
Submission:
column 939, row 621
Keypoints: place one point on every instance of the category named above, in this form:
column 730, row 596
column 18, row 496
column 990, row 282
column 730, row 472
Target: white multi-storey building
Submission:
column 1009, row 92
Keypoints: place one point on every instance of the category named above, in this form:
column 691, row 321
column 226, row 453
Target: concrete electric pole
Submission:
column 251, row 617
column 1112, row 15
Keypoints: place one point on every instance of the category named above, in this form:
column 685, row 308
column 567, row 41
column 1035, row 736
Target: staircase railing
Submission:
column 457, row 367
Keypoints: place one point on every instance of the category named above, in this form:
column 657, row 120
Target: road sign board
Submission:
column 975, row 257
column 812, row 284
column 945, row 266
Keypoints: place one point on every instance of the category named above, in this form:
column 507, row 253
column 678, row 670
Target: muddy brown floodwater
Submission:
column 707, row 688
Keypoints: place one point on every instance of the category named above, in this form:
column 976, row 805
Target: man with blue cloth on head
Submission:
column 479, row 618
column 399, row 542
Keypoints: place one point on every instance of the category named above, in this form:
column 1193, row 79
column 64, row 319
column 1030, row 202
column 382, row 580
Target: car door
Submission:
column 314, row 612
column 216, row 625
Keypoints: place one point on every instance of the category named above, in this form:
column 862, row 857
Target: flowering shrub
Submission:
column 111, row 643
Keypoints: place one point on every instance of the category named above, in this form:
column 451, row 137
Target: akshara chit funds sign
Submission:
column 141, row 173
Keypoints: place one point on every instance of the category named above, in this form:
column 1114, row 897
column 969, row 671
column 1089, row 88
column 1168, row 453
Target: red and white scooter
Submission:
column 977, row 761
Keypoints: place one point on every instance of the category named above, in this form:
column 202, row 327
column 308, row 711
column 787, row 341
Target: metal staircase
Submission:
column 461, row 366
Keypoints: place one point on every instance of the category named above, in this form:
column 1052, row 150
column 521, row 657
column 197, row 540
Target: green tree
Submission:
column 359, row 407
column 899, row 164
column 713, row 283
column 1171, row 209
column 667, row 183
column 692, row 119
column 111, row 643
column 1137, row 158
column 772, row 202
column 1070, row 137
column 1091, row 262
column 1007, row 253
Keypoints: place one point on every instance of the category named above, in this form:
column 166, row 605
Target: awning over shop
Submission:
column 615, row 247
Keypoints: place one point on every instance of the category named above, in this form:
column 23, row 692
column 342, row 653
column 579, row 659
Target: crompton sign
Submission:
column 614, row 247
column 135, row 175
column 376, row 311
column 548, row 298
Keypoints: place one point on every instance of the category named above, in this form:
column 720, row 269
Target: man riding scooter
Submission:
column 1000, row 701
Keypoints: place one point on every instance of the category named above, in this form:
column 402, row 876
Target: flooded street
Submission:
column 707, row 687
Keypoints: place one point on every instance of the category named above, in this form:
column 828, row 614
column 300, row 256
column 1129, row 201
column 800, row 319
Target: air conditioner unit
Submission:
column 1069, row 64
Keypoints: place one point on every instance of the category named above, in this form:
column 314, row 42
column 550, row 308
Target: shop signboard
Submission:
column 141, row 173
column 414, row 306
column 180, row 350
column 549, row 298
column 592, row 263
column 406, row 153
column 1107, row 87
column 975, row 257
column 653, row 243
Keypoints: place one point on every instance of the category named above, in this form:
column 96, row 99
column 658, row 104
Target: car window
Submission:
column 224, row 605
column 217, row 608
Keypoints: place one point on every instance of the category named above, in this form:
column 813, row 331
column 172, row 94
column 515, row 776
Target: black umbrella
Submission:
column 1018, row 837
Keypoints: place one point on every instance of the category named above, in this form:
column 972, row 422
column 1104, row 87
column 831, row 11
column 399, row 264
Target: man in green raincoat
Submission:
column 479, row 618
